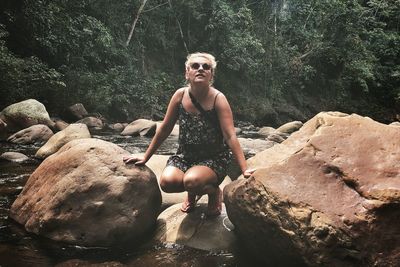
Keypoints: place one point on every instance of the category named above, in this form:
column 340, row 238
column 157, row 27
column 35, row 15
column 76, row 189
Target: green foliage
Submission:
column 24, row 78
column 275, row 58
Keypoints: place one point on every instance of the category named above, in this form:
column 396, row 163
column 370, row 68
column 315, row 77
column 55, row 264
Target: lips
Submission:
column 200, row 75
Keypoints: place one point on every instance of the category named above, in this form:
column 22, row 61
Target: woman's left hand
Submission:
column 247, row 173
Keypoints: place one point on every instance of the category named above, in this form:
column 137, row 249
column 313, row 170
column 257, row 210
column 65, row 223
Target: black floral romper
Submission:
column 201, row 143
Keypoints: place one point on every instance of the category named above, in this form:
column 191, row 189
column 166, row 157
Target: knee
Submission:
column 192, row 182
column 170, row 185
column 166, row 185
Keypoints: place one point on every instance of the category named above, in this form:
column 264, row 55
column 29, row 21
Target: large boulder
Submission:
column 84, row 194
column 26, row 113
column 195, row 229
column 39, row 133
column 72, row 132
column 328, row 196
column 140, row 127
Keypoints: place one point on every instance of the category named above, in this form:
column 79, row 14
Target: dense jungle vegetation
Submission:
column 278, row 60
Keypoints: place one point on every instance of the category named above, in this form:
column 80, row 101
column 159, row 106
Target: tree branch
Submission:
column 135, row 21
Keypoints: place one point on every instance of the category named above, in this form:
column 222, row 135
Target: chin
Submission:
column 201, row 80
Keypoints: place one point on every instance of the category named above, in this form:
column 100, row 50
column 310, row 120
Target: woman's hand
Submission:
column 247, row 173
column 134, row 159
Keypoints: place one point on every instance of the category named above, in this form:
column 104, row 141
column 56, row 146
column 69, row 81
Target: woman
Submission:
column 207, row 138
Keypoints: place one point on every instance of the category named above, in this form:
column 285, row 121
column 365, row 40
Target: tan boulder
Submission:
column 84, row 194
column 290, row 127
column 195, row 229
column 72, row 132
column 266, row 131
column 277, row 137
column 92, row 122
column 26, row 113
column 328, row 196
column 140, row 127
column 60, row 125
column 118, row 127
column 14, row 157
column 39, row 133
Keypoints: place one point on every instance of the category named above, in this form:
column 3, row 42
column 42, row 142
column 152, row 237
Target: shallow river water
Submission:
column 20, row 248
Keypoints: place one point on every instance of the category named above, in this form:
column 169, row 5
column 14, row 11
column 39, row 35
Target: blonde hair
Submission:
column 207, row 56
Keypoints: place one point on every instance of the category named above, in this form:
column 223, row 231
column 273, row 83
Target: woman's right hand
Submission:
column 134, row 159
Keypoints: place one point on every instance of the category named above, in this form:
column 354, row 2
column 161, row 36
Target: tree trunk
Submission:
column 135, row 21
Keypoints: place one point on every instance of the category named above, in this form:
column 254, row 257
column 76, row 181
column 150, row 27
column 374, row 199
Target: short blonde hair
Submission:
column 210, row 57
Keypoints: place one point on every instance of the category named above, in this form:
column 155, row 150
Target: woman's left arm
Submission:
column 228, row 130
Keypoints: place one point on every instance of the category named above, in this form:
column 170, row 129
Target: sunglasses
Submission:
column 196, row 66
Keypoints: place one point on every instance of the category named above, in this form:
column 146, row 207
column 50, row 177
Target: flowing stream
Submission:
column 20, row 248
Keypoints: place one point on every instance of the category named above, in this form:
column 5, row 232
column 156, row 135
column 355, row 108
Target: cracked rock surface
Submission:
column 327, row 196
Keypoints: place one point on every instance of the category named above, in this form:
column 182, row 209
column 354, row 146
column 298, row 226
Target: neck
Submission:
column 199, row 90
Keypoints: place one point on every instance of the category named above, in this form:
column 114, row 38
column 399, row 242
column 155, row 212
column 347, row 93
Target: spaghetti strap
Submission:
column 184, row 90
column 215, row 99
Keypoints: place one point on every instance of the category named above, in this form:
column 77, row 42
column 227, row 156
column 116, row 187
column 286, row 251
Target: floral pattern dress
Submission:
column 201, row 143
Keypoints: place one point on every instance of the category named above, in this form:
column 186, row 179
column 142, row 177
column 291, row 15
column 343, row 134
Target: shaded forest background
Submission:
column 278, row 60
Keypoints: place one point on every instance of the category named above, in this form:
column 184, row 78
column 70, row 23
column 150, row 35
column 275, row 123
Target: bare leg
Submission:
column 171, row 180
column 202, row 180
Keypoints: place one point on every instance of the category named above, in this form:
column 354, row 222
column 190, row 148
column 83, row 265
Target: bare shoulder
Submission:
column 178, row 94
column 221, row 102
column 218, row 95
column 180, row 91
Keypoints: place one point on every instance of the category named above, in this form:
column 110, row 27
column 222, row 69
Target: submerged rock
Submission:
column 84, row 194
column 328, row 196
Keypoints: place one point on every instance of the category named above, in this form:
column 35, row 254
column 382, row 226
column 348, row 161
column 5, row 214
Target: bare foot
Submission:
column 214, row 203
column 190, row 203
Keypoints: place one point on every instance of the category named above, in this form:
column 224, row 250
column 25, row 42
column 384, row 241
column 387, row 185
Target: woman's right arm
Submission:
column 163, row 131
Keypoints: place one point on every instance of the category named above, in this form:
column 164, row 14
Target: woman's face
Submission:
column 199, row 71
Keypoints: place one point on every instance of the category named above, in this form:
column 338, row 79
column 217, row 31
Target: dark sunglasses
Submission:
column 196, row 66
